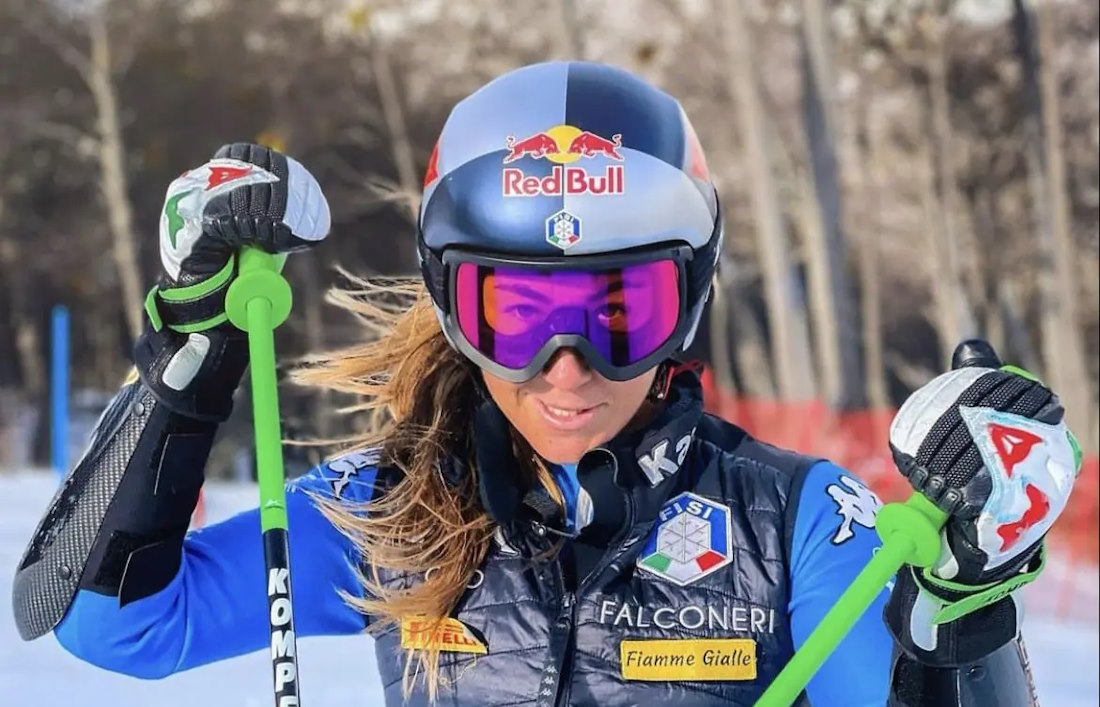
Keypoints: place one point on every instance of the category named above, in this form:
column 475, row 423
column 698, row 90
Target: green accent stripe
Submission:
column 204, row 325
column 152, row 311
column 202, row 288
column 1078, row 457
column 1021, row 372
column 956, row 610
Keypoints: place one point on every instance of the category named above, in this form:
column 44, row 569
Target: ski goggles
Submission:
column 623, row 313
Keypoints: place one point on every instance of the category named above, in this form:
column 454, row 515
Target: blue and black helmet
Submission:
column 567, row 164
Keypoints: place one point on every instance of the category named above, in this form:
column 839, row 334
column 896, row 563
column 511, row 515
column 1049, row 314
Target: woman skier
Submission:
column 540, row 512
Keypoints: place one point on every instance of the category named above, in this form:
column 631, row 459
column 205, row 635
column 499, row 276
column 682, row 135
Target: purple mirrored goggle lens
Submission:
column 625, row 313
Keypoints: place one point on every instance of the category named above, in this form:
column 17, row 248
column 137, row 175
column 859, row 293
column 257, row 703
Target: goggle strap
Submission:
column 668, row 370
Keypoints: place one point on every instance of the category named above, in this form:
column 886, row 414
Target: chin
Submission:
column 562, row 453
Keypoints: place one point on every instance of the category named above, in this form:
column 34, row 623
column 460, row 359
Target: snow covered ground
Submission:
column 339, row 672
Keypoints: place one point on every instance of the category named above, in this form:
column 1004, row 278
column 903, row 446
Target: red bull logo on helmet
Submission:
column 563, row 145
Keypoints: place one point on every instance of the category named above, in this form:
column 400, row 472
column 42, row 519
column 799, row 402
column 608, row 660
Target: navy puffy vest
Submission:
column 648, row 598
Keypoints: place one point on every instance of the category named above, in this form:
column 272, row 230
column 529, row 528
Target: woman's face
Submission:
column 568, row 408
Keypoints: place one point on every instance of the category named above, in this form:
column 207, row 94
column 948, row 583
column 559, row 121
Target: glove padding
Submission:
column 988, row 445
column 246, row 196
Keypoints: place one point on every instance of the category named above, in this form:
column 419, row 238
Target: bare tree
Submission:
column 955, row 320
column 396, row 126
column 870, row 146
column 831, row 308
column 95, row 67
column 1054, row 249
column 786, row 310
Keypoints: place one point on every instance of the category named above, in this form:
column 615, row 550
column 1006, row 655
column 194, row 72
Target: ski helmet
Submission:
column 568, row 204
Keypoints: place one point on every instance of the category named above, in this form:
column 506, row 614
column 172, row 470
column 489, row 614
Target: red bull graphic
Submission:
column 538, row 145
column 563, row 145
column 590, row 144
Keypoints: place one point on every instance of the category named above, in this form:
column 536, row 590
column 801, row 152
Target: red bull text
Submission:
column 562, row 181
column 564, row 144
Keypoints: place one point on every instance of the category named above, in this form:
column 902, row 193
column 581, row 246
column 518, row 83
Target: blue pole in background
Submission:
column 59, row 390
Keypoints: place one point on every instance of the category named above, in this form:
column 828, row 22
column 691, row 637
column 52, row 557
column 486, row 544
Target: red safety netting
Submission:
column 857, row 441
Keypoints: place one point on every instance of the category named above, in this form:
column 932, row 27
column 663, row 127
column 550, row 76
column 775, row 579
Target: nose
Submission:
column 567, row 369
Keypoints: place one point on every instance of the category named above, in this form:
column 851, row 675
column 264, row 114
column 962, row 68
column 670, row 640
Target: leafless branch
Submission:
column 30, row 16
column 911, row 375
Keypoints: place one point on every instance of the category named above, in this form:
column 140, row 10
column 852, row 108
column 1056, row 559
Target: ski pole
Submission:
column 910, row 534
column 257, row 302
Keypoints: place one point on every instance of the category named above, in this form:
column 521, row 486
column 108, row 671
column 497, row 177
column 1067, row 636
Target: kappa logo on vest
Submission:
column 690, row 541
column 657, row 466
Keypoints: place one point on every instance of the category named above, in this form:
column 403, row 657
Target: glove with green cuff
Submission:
column 190, row 356
column 987, row 444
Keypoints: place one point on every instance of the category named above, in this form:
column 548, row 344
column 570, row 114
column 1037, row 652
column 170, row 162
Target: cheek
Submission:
column 629, row 397
column 637, row 389
column 504, row 393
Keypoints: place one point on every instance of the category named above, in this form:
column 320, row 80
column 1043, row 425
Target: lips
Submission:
column 567, row 419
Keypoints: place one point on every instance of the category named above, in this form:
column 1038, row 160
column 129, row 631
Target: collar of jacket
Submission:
column 627, row 480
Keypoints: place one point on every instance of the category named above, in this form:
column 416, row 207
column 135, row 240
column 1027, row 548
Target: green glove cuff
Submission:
column 975, row 597
column 193, row 308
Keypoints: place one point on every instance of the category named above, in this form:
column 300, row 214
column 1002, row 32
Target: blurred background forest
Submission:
column 897, row 175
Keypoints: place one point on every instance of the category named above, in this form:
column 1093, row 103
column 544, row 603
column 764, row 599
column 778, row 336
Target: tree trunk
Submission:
column 1014, row 324
column 786, row 310
column 754, row 367
column 954, row 318
column 868, row 151
column 720, row 349
column 312, row 319
column 103, row 335
column 1062, row 345
column 13, row 271
column 831, row 307
column 396, row 127
column 112, row 162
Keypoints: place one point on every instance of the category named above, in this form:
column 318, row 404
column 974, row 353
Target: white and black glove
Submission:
column 988, row 445
column 246, row 196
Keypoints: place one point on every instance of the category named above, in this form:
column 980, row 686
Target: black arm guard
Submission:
column 975, row 661
column 116, row 525
column 1002, row 678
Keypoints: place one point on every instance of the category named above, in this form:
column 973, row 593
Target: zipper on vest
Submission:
column 554, row 686
column 564, row 649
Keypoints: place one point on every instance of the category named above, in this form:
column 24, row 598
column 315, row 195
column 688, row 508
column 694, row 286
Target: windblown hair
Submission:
column 417, row 395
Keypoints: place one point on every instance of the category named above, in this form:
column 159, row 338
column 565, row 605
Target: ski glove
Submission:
column 988, row 445
column 246, row 196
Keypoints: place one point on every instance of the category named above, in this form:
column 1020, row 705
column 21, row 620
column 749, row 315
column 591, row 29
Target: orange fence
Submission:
column 857, row 441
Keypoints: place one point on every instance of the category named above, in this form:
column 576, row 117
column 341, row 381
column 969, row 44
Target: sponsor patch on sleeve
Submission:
column 688, row 659
column 855, row 504
column 343, row 471
column 447, row 635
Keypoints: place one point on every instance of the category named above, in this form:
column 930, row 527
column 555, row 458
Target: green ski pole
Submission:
column 258, row 301
column 910, row 534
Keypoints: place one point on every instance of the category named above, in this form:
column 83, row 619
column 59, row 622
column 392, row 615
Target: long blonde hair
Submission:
column 417, row 395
